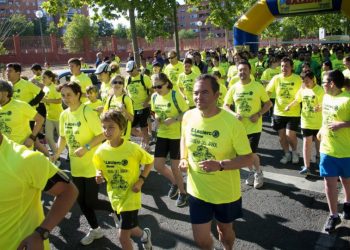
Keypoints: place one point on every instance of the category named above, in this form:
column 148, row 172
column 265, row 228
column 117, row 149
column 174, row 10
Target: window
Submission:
column 194, row 16
column 3, row 1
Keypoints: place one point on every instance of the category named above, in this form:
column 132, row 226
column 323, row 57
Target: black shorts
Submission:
column 203, row 212
column 128, row 219
column 141, row 118
column 286, row 122
column 165, row 146
column 254, row 141
column 309, row 132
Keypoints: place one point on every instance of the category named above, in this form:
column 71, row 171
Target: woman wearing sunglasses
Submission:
column 168, row 106
column 120, row 101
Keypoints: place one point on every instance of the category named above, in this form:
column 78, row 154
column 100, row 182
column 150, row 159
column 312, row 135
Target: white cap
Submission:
column 130, row 66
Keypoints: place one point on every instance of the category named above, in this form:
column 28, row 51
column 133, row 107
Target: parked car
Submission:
column 64, row 76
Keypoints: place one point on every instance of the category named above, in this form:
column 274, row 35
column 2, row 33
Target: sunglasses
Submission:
column 158, row 86
column 171, row 57
column 117, row 82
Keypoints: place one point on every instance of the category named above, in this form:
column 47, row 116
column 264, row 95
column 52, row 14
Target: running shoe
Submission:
column 258, row 180
column 92, row 235
column 331, row 223
column 250, row 179
column 286, row 158
column 295, row 158
column 181, row 200
column 146, row 242
column 346, row 211
column 173, row 191
column 305, row 171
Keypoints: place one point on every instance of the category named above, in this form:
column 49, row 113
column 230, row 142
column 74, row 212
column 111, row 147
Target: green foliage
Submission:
column 20, row 25
column 104, row 28
column 120, row 31
column 3, row 50
column 52, row 29
column 36, row 23
column 76, row 30
column 186, row 34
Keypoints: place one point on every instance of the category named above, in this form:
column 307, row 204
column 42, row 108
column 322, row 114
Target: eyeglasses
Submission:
column 171, row 57
column 158, row 86
column 325, row 82
column 117, row 82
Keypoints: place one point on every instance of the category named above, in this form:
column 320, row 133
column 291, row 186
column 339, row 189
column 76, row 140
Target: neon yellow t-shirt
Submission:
column 84, row 81
column 335, row 108
column 186, row 83
column 94, row 105
column 346, row 73
column 267, row 75
column 252, row 63
column 23, row 175
column 164, row 107
column 195, row 69
column 220, row 69
column 36, row 78
column 223, row 92
column 338, row 64
column 105, row 91
column 25, row 91
column 53, row 110
column 236, row 79
column 218, row 138
column 121, row 169
column 285, row 89
column 115, row 103
column 14, row 120
column 78, row 128
column 136, row 91
column 173, row 71
column 232, row 71
column 310, row 99
column 259, row 69
column 225, row 66
column 247, row 99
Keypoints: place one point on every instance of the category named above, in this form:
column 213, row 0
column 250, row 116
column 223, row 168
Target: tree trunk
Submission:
column 176, row 34
column 135, row 45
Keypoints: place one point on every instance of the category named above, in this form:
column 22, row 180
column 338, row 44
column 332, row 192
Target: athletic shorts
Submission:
column 333, row 167
column 286, row 122
column 204, row 212
column 128, row 219
column 165, row 146
column 254, row 141
column 141, row 117
column 309, row 132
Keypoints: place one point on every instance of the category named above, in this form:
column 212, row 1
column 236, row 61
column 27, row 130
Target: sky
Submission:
column 125, row 22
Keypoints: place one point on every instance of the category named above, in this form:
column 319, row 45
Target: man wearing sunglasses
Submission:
column 139, row 89
column 174, row 68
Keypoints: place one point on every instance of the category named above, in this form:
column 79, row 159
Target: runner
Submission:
column 251, row 102
column 335, row 151
column 118, row 162
column 214, row 146
column 103, row 73
column 174, row 68
column 311, row 97
column 94, row 103
column 168, row 107
column 285, row 86
column 23, row 224
column 120, row 101
column 186, row 81
column 79, row 77
column 81, row 130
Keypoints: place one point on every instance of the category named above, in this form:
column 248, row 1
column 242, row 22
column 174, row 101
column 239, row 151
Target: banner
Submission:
column 286, row 7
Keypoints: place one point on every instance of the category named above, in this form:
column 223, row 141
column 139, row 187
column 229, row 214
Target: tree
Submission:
column 78, row 29
column 19, row 25
column 120, row 31
column 154, row 10
column 36, row 27
column 104, row 28
column 186, row 34
column 52, row 29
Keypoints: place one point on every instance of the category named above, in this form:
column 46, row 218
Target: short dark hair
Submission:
column 16, row 66
column 308, row 74
column 163, row 78
column 50, row 74
column 36, row 66
column 188, row 60
column 74, row 86
column 75, row 61
column 6, row 87
column 213, row 82
column 337, row 77
column 115, row 116
column 287, row 59
column 91, row 88
column 347, row 58
column 328, row 63
column 244, row 62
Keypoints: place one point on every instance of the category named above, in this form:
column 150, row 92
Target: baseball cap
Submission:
column 103, row 67
column 156, row 64
column 130, row 66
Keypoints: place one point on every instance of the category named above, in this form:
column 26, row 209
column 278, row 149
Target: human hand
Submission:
column 32, row 242
column 183, row 165
column 28, row 142
column 80, row 152
column 137, row 186
column 209, row 165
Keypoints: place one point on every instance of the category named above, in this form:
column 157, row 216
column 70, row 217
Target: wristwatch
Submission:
column 44, row 233
column 87, row 146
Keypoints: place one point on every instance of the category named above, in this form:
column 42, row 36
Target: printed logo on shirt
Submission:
column 202, row 153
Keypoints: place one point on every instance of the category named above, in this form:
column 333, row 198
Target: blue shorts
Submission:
column 333, row 167
column 204, row 212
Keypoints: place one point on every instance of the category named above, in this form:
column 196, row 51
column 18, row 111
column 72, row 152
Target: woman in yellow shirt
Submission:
column 81, row 129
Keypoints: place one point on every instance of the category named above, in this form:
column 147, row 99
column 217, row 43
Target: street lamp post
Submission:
column 39, row 14
column 199, row 24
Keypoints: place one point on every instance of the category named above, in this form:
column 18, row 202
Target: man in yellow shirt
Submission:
column 335, row 151
column 285, row 86
column 37, row 77
column 214, row 146
column 186, row 81
column 251, row 101
column 174, row 68
column 337, row 63
column 138, row 87
column 23, row 224
column 79, row 77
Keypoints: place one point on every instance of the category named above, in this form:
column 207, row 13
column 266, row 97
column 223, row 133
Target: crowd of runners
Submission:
column 204, row 113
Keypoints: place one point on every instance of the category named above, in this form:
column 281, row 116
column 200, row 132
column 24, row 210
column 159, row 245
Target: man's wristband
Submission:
column 33, row 137
column 221, row 163
column 142, row 177
column 43, row 232
column 88, row 146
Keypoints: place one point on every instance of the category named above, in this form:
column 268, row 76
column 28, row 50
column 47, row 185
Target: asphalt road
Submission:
column 289, row 212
